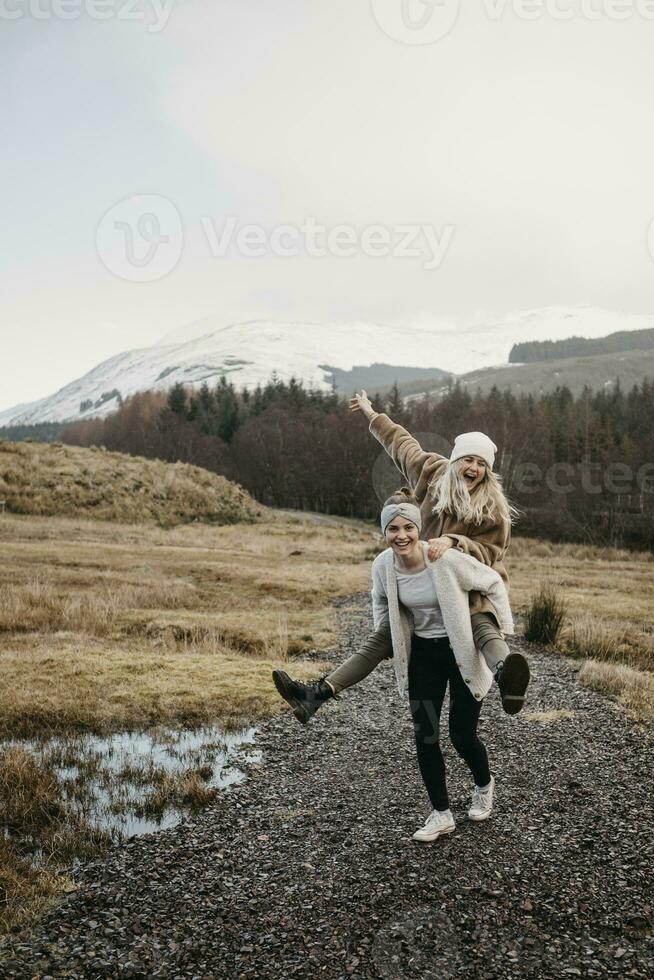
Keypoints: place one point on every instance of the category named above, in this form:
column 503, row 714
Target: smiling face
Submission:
column 472, row 469
column 402, row 536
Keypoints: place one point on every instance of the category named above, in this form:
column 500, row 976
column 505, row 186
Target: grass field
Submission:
column 609, row 594
column 108, row 626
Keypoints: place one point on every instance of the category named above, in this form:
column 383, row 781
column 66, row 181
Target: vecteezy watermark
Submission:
column 563, row 10
column 586, row 477
column 154, row 13
column 524, row 477
column 416, row 21
column 141, row 238
column 316, row 240
column 427, row 21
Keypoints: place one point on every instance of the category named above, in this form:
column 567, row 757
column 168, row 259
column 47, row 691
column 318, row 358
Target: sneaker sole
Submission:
column 515, row 677
column 481, row 817
column 282, row 682
column 428, row 840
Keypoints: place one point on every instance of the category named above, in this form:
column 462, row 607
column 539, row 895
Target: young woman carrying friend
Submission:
column 426, row 607
column 463, row 508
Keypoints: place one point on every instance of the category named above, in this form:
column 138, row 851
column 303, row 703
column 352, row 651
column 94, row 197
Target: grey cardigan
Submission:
column 455, row 575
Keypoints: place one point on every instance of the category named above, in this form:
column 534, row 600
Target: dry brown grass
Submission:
column 110, row 626
column 588, row 637
column 53, row 479
column 119, row 626
column 633, row 688
column 183, row 789
column 563, row 552
column 65, row 684
column 609, row 595
column 34, row 814
column 30, row 799
column 25, row 891
column 548, row 717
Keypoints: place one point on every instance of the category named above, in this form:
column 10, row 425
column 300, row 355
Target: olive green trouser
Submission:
column 378, row 647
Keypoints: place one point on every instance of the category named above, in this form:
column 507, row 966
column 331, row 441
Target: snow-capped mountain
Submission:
column 248, row 353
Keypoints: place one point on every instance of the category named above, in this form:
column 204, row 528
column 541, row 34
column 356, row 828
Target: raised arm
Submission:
column 416, row 466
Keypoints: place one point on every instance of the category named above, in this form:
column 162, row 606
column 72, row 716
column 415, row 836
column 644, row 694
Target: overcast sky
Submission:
column 525, row 147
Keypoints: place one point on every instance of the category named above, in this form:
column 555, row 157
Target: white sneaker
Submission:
column 438, row 822
column 482, row 802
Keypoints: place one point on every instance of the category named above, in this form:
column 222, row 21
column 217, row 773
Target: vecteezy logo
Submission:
column 141, row 238
column 416, row 21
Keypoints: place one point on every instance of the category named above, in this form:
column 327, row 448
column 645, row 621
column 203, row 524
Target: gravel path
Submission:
column 308, row 868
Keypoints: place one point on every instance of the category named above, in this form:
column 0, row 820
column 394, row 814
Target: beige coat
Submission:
column 486, row 542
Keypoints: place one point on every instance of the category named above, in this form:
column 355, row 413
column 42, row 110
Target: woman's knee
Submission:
column 463, row 736
column 464, row 745
column 484, row 629
column 378, row 645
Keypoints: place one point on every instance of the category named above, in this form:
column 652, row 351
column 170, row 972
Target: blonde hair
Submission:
column 487, row 502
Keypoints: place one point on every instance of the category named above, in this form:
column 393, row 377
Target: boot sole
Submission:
column 515, row 679
column 282, row 681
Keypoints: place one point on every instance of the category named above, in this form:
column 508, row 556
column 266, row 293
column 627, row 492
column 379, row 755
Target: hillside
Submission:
column 598, row 371
column 318, row 354
column 380, row 376
column 53, row 480
column 553, row 350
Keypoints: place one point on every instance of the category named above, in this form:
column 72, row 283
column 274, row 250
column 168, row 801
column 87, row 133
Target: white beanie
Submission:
column 474, row 444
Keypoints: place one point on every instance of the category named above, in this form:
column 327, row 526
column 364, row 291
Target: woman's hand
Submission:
column 438, row 547
column 361, row 403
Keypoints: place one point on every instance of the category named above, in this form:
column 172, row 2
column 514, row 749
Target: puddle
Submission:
column 123, row 783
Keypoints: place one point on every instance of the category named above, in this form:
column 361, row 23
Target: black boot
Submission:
column 304, row 699
column 512, row 678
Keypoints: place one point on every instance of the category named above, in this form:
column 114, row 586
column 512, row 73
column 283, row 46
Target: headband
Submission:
column 408, row 511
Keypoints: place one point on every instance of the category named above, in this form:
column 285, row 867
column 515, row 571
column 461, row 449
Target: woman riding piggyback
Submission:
column 462, row 506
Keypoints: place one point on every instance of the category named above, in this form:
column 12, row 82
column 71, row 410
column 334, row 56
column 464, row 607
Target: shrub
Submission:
column 545, row 615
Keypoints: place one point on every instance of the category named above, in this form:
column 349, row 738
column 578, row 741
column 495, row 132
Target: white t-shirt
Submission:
column 418, row 593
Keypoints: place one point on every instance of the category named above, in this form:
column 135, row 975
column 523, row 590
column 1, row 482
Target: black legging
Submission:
column 431, row 666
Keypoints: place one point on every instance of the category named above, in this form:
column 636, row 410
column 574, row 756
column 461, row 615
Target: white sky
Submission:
column 531, row 139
